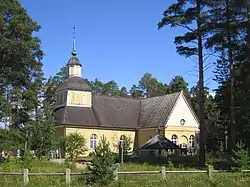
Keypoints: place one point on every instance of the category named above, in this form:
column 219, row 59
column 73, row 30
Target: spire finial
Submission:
column 74, row 53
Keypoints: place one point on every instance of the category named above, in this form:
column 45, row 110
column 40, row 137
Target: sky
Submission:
column 115, row 40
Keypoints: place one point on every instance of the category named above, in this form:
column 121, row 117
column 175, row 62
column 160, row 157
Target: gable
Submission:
column 182, row 110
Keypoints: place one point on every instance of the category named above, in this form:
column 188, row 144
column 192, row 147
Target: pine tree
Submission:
column 192, row 16
column 103, row 164
column 240, row 156
column 178, row 84
column 123, row 92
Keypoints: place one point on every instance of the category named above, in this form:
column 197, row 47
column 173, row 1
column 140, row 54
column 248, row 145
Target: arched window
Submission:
column 93, row 141
column 174, row 139
column 191, row 141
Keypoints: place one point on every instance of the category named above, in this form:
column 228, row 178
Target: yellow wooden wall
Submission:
column 183, row 133
column 112, row 136
column 75, row 70
column 146, row 134
column 79, row 98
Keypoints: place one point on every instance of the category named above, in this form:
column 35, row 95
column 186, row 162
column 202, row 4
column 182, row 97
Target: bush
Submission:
column 103, row 164
column 27, row 160
column 75, row 145
column 127, row 144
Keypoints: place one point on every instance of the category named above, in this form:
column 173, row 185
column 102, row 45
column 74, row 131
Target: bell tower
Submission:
column 74, row 91
column 74, row 65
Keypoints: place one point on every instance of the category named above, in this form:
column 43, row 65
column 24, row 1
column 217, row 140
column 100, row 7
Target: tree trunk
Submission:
column 201, row 88
column 231, row 63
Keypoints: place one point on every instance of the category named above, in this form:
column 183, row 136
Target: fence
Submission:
column 210, row 171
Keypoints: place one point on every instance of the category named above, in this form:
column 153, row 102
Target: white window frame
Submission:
column 192, row 141
column 93, row 141
column 174, row 139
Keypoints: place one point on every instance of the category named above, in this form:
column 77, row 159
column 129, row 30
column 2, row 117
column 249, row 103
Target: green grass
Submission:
column 173, row 180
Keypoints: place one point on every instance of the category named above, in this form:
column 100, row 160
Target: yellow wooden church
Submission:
column 91, row 115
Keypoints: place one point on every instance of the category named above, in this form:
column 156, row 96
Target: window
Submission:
column 174, row 139
column 191, row 141
column 93, row 141
column 182, row 122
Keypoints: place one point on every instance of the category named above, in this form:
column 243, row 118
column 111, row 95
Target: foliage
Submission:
column 11, row 140
column 27, row 160
column 103, row 164
column 75, row 145
column 191, row 16
column 42, row 131
column 178, row 84
column 240, row 156
column 170, row 165
column 51, row 85
column 21, row 69
column 127, row 144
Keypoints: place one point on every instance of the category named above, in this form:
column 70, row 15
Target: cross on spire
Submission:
column 74, row 53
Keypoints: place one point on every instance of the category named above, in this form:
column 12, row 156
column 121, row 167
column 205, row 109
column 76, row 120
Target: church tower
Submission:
column 74, row 91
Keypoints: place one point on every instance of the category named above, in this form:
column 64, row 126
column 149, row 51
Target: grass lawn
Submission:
column 173, row 180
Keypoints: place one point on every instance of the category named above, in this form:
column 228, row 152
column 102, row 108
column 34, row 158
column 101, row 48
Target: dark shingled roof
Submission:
column 156, row 110
column 73, row 61
column 159, row 142
column 116, row 112
column 76, row 116
column 74, row 83
column 119, row 112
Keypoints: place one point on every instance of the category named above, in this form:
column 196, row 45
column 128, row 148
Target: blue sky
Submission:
column 115, row 40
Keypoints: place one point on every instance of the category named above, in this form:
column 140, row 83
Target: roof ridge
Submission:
column 162, row 95
column 130, row 98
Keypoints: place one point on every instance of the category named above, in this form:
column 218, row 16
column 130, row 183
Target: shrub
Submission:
column 27, row 160
column 103, row 164
column 75, row 145
column 127, row 144
column 170, row 165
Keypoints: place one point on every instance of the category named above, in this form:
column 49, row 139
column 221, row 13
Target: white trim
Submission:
column 80, row 105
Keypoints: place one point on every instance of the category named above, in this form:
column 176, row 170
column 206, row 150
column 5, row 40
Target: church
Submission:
column 77, row 109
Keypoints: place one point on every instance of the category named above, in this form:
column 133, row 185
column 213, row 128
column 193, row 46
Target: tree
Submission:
column 11, row 140
column 52, row 84
column 96, row 86
column 103, row 164
column 152, row 87
column 224, row 40
column 123, row 92
column 148, row 84
column 240, row 157
column 21, row 77
column 42, row 131
column 19, row 49
column 110, row 88
column 191, row 15
column 178, row 84
column 212, row 127
column 136, row 92
column 75, row 145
